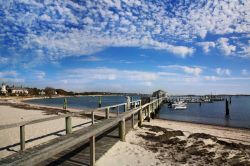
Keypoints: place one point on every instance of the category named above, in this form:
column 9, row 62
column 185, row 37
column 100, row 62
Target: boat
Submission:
column 178, row 103
column 180, row 107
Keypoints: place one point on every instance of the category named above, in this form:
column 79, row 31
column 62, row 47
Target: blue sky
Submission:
column 183, row 47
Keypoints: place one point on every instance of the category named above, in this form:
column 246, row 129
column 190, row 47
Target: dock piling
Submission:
column 122, row 130
column 22, row 137
column 107, row 113
column 68, row 125
column 132, row 120
column 227, row 108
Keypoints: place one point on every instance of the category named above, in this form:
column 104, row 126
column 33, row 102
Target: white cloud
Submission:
column 221, row 71
column 211, row 78
column 187, row 69
column 206, row 46
column 40, row 75
column 244, row 72
column 91, row 59
column 111, row 74
column 3, row 60
column 225, row 47
column 73, row 29
column 11, row 73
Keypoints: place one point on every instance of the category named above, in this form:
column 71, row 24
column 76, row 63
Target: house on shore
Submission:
column 3, row 89
column 19, row 90
column 42, row 93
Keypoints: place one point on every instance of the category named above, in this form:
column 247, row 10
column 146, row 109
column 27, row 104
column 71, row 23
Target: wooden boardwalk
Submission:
column 79, row 154
column 84, row 146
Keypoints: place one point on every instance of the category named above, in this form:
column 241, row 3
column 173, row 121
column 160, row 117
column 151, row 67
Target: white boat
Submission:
column 178, row 103
column 180, row 107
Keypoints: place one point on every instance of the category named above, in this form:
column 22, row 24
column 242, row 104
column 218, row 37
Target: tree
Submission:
column 49, row 91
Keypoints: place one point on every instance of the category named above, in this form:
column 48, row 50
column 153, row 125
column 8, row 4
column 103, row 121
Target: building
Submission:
column 19, row 90
column 42, row 93
column 3, row 89
column 159, row 93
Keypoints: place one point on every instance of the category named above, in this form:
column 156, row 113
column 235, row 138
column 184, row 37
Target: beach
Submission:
column 36, row 133
column 164, row 142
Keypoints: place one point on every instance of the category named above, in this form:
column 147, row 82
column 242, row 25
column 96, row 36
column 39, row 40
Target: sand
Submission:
column 163, row 142
column 35, row 134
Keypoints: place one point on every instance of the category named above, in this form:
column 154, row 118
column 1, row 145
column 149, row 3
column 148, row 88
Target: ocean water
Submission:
column 212, row 113
column 82, row 102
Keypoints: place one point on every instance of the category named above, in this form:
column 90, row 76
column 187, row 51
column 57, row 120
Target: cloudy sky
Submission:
column 184, row 46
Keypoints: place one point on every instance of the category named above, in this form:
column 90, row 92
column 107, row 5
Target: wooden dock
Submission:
column 79, row 154
column 84, row 146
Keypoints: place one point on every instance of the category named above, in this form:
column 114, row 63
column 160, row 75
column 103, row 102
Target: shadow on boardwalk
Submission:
column 79, row 154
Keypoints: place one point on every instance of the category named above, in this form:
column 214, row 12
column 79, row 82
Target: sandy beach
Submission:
column 163, row 142
column 36, row 133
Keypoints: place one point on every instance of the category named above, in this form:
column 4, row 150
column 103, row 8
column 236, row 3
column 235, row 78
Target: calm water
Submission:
column 213, row 113
column 81, row 102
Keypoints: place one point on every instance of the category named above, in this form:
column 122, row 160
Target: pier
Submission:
column 82, row 143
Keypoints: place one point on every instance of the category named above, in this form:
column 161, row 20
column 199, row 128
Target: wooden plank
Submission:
column 92, row 150
column 46, row 150
column 22, row 138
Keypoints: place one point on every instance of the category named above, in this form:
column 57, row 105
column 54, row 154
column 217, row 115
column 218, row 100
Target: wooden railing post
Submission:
column 92, row 150
column 22, row 137
column 133, row 120
column 93, row 117
column 125, row 107
column 122, row 130
column 118, row 110
column 107, row 113
column 140, row 118
column 68, row 125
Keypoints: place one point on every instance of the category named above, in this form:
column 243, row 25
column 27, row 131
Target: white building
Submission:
column 19, row 90
column 42, row 93
column 3, row 89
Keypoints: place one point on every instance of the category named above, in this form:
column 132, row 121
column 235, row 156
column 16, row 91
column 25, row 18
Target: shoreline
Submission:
column 208, row 124
column 19, row 103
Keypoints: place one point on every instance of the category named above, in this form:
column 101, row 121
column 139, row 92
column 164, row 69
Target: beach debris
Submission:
column 195, row 149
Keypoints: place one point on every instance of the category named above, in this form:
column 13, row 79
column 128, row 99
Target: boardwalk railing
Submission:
column 42, row 152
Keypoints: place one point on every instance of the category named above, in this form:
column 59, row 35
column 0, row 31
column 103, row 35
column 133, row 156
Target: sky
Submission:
column 180, row 46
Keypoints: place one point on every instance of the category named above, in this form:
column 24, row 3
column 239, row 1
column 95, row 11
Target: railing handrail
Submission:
column 55, row 146
column 7, row 126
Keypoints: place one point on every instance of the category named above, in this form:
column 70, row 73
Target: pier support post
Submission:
column 68, row 125
column 92, row 117
column 227, row 108
column 100, row 102
column 107, row 113
column 22, row 137
column 132, row 120
column 122, row 130
column 140, row 118
column 92, row 150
